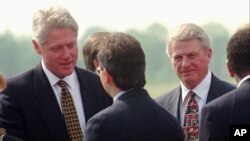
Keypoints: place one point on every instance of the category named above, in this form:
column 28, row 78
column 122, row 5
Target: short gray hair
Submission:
column 54, row 17
column 185, row 32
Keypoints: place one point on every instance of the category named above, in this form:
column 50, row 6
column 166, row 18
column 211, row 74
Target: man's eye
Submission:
column 192, row 55
column 55, row 48
column 177, row 59
column 71, row 45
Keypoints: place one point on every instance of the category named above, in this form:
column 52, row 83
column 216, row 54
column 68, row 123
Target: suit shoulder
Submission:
column 237, row 95
column 106, row 115
column 22, row 79
column 223, row 84
column 223, row 102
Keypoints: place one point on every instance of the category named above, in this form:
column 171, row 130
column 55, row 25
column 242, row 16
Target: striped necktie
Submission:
column 191, row 119
column 70, row 114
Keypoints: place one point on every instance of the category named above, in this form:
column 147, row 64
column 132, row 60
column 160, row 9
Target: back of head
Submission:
column 91, row 48
column 2, row 82
column 186, row 32
column 54, row 17
column 123, row 57
column 238, row 51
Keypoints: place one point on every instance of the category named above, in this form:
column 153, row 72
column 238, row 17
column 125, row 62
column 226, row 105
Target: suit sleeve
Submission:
column 95, row 131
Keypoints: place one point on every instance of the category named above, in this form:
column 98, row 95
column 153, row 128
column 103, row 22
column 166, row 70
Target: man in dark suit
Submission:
column 31, row 107
column 190, row 54
column 232, row 108
column 134, row 115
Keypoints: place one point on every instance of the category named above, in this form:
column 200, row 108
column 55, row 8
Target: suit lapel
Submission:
column 174, row 103
column 88, row 97
column 214, row 90
column 48, row 106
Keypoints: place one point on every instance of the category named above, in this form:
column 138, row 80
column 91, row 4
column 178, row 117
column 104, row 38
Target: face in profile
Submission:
column 190, row 61
column 59, row 52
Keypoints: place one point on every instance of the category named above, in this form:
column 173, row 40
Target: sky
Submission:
column 119, row 15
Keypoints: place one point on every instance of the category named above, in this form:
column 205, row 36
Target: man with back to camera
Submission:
column 134, row 115
column 189, row 52
column 234, row 107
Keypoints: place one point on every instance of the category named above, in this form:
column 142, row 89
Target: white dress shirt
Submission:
column 118, row 95
column 201, row 92
column 242, row 80
column 74, row 89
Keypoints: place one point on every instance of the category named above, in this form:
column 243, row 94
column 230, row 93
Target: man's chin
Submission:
column 68, row 72
column 188, row 79
column 65, row 73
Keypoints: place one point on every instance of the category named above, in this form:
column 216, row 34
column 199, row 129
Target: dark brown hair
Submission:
column 238, row 51
column 91, row 48
column 124, row 59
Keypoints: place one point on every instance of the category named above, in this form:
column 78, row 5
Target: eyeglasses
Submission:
column 98, row 70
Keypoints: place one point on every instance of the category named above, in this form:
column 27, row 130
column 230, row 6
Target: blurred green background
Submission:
column 17, row 54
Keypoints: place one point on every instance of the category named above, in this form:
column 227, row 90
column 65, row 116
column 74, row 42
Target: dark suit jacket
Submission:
column 10, row 138
column 171, row 100
column 29, row 109
column 135, row 116
column 230, row 109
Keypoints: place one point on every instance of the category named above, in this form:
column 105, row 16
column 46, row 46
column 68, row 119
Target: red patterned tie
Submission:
column 191, row 119
column 70, row 115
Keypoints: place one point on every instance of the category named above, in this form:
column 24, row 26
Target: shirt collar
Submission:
column 201, row 90
column 242, row 80
column 53, row 79
column 118, row 95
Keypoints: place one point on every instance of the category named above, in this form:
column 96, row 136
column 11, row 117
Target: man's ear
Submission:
column 36, row 46
column 108, row 77
column 230, row 70
column 209, row 53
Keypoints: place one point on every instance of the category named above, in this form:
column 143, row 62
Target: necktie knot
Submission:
column 192, row 94
column 62, row 83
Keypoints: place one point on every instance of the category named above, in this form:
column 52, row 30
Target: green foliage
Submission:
column 17, row 54
column 219, row 36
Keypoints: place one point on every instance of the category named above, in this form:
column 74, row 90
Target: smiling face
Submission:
column 190, row 61
column 59, row 52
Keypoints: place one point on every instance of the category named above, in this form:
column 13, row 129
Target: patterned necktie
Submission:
column 191, row 119
column 69, row 112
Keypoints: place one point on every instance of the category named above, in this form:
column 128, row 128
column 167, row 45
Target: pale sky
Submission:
column 119, row 15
